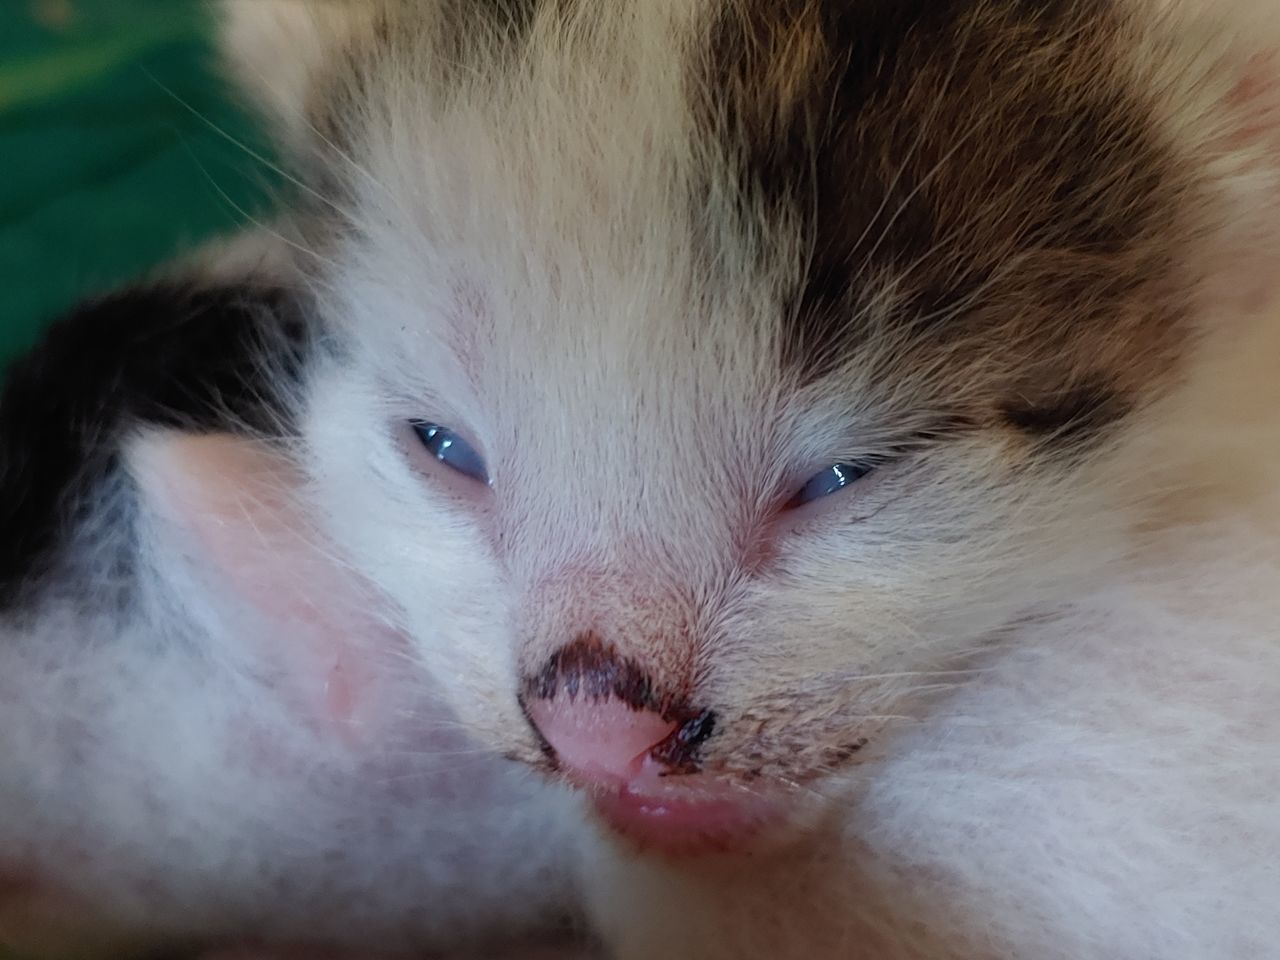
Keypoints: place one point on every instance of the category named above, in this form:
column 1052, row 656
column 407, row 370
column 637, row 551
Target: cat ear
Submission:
column 229, row 512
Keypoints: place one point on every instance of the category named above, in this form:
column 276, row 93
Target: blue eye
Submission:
column 451, row 450
column 831, row 480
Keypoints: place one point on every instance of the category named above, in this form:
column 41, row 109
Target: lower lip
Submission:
column 686, row 824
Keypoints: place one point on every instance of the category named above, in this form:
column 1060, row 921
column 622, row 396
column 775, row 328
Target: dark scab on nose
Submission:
column 679, row 751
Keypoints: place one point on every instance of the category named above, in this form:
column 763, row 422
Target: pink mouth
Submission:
column 685, row 821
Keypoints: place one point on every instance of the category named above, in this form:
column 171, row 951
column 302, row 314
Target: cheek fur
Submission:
column 425, row 545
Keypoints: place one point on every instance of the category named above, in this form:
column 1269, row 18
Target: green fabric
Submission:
column 118, row 148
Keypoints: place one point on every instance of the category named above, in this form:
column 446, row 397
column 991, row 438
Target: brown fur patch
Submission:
column 978, row 186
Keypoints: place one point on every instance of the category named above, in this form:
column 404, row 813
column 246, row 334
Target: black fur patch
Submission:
column 193, row 359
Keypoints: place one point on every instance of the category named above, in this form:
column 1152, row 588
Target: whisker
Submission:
column 250, row 218
column 240, row 144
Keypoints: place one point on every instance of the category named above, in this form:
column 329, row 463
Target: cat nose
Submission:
column 603, row 741
column 638, row 752
column 596, row 712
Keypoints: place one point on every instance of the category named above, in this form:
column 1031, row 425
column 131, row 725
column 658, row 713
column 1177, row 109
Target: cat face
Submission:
column 748, row 365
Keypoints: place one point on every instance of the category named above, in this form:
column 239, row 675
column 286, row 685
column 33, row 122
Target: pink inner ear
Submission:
column 237, row 505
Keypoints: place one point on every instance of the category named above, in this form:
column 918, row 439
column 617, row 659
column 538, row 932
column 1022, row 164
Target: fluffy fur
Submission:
column 656, row 261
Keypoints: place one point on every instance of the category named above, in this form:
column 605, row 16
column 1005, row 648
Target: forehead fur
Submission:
column 970, row 202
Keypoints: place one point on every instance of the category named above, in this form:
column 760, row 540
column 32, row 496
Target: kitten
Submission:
column 693, row 478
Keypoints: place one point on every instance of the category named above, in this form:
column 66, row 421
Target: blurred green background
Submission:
column 117, row 149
